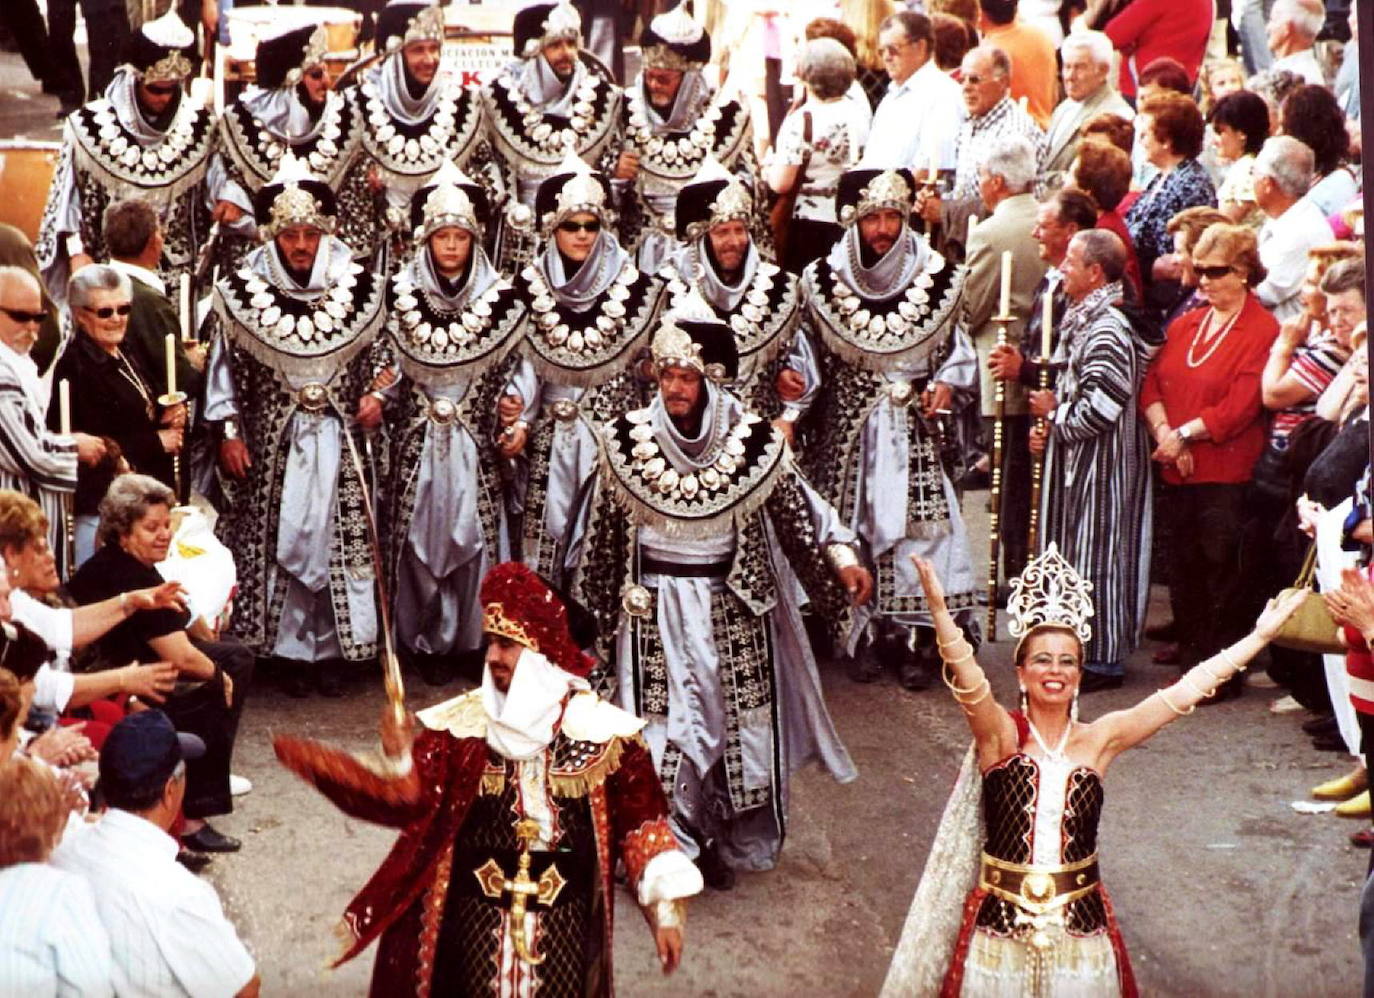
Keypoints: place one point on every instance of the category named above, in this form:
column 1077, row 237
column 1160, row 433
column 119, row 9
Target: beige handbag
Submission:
column 1311, row 628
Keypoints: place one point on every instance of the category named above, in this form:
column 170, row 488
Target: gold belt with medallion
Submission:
column 1038, row 889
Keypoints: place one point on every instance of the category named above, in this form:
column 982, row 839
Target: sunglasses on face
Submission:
column 161, row 89
column 314, row 74
column 1213, row 273
column 593, row 226
column 892, row 51
column 22, row 317
column 974, row 80
column 109, row 311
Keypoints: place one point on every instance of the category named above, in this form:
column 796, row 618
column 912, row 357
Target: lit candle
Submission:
column 1006, row 283
column 934, row 168
column 972, row 224
column 186, row 319
column 1047, row 325
column 171, row 342
column 64, row 405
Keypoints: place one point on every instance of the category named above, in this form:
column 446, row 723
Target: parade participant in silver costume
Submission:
column 452, row 324
column 289, row 375
column 689, row 553
column 413, row 116
column 291, row 106
column 674, row 121
column 591, row 315
column 144, row 137
column 761, row 302
column 884, row 308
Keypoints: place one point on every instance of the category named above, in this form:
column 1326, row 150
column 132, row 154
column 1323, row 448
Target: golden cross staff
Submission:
column 64, row 409
column 1038, row 460
column 1003, row 318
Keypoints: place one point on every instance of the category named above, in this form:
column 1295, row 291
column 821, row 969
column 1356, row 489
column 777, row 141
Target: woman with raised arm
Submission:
column 1037, row 919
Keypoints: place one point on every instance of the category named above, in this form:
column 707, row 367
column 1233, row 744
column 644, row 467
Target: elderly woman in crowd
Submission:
column 1201, row 399
column 1240, row 122
column 135, row 533
column 818, row 142
column 1185, row 229
column 111, row 396
column 1103, row 172
column 1171, row 130
column 1312, row 116
column 49, row 931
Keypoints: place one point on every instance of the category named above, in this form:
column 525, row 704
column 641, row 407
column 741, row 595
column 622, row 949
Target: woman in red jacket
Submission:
column 1145, row 30
column 1201, row 398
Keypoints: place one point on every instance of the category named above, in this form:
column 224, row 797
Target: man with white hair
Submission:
column 1087, row 70
column 1004, row 182
column 1291, row 32
column 33, row 460
column 1283, row 173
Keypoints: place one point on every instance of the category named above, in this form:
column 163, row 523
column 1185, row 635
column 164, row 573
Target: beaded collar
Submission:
column 677, row 156
column 417, row 150
column 876, row 335
column 433, row 340
column 162, row 170
column 585, row 348
column 770, row 308
column 748, row 459
column 256, row 152
column 532, row 136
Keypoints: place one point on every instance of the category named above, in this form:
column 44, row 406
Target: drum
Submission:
column 26, row 173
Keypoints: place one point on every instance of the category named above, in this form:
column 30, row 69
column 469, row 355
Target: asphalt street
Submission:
column 1221, row 887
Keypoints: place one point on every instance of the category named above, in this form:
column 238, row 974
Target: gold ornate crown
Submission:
column 426, row 26
column 171, row 68
column 495, row 621
column 297, row 206
column 582, row 191
column 1050, row 593
column 733, row 203
column 316, row 48
column 675, row 27
column 563, row 22
column 169, row 32
column 448, row 204
column 888, row 190
column 672, row 345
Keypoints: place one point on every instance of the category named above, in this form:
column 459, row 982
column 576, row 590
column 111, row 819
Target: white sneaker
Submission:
column 1285, row 705
column 239, row 785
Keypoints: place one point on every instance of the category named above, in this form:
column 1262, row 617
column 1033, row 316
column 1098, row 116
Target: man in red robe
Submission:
column 515, row 802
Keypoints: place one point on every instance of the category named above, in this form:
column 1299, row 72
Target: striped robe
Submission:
column 33, row 460
column 1095, row 502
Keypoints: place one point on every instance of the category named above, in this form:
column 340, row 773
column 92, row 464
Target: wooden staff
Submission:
column 1003, row 319
column 1038, row 460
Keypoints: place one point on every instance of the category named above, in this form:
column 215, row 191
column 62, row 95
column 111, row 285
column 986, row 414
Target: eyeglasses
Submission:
column 892, row 51
column 974, row 80
column 161, row 89
column 20, row 316
column 109, row 311
column 314, row 74
column 1213, row 273
column 570, row 226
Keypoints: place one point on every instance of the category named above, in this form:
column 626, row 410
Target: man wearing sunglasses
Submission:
column 140, row 138
column 413, row 117
column 288, row 380
column 760, row 301
column 675, row 123
column 293, row 107
column 33, row 460
column 547, row 100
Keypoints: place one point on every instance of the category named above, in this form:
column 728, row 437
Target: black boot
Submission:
column 298, row 679
column 717, row 875
column 434, row 669
column 921, row 664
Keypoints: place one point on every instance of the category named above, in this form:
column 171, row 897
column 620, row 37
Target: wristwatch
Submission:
column 1183, row 433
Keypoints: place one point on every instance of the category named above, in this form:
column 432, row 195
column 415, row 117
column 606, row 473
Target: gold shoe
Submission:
column 1355, row 807
column 1343, row 787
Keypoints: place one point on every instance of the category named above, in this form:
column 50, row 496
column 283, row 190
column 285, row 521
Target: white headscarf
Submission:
column 891, row 275
column 394, row 90
column 521, row 721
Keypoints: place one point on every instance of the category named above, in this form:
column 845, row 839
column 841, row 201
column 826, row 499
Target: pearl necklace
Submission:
column 539, row 133
column 1214, row 342
column 425, row 151
column 673, row 153
column 553, row 330
column 1055, row 754
column 649, row 463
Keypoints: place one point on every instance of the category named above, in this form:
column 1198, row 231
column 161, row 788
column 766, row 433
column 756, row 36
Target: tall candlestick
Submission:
column 1047, row 326
column 64, row 405
column 934, row 168
column 171, row 342
column 1006, row 283
column 187, row 320
column 972, row 224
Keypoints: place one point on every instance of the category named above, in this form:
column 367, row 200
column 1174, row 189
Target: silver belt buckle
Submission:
column 442, row 411
column 901, row 393
column 313, row 397
column 564, row 410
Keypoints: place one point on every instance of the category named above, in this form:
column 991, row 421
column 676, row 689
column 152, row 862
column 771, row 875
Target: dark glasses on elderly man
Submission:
column 570, row 226
column 20, row 316
column 1213, row 273
column 314, row 74
column 109, row 311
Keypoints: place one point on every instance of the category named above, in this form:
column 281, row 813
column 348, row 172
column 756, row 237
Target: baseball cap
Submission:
column 141, row 752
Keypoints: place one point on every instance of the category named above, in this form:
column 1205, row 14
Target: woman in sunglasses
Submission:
column 591, row 314
column 1202, row 401
column 111, row 397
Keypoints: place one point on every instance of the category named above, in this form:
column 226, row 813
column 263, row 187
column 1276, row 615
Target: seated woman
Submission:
column 31, row 579
column 1037, row 919
column 135, row 533
column 111, row 396
column 1240, row 122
